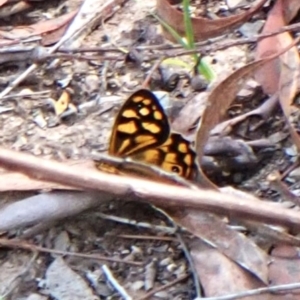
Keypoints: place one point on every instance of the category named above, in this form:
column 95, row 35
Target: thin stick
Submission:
column 185, row 251
column 192, row 265
column 153, row 69
column 146, row 190
column 145, row 237
column 159, row 228
column 164, row 287
column 113, row 281
column 31, row 247
column 271, row 289
column 202, row 47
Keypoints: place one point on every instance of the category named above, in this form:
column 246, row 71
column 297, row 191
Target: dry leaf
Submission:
column 203, row 28
column 220, row 276
column 223, row 95
column 62, row 104
column 38, row 29
column 269, row 75
column 233, row 244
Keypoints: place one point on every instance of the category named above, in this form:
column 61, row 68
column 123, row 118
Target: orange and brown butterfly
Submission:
column 142, row 132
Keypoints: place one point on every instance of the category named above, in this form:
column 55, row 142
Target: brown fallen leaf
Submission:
column 203, row 28
column 269, row 75
column 38, row 29
column 220, row 276
column 231, row 243
column 13, row 8
column 290, row 10
column 282, row 74
column 285, row 266
column 223, row 95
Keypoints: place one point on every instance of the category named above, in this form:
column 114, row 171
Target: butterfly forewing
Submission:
column 140, row 124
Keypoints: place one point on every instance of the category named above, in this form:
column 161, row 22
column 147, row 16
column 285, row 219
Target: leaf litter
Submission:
column 236, row 255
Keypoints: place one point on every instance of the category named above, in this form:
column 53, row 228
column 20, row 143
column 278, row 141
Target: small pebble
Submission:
column 166, row 261
column 171, row 267
column 138, row 285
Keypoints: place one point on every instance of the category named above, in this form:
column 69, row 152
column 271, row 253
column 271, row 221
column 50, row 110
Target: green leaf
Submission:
column 188, row 26
column 188, row 43
column 205, row 69
column 175, row 61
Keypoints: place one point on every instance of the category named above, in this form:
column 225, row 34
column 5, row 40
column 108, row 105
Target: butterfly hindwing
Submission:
column 179, row 157
column 174, row 156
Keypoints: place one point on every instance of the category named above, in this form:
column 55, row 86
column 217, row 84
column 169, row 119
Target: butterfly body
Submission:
column 142, row 132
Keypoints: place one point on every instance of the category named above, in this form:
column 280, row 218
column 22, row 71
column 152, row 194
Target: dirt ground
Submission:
column 98, row 87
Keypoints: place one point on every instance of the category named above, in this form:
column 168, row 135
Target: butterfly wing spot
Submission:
column 122, row 148
column 171, row 158
column 137, row 99
column 158, row 115
column 144, row 111
column 183, row 147
column 150, row 156
column 145, row 140
column 188, row 159
column 151, row 127
column 167, row 143
column 146, row 102
column 129, row 113
column 128, row 128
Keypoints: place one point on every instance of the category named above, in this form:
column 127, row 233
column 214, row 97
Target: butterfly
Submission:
column 142, row 132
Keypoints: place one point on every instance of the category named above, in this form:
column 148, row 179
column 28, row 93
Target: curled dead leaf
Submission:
column 203, row 28
column 223, row 95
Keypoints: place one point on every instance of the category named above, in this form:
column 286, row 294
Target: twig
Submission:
column 270, row 289
column 113, row 281
column 35, row 95
column 153, row 69
column 228, row 44
column 203, row 47
column 264, row 110
column 275, row 183
column 185, row 251
column 192, row 265
column 146, row 190
column 143, row 169
column 27, row 246
column 47, row 207
column 164, row 287
column 104, row 77
column 145, row 237
column 166, row 229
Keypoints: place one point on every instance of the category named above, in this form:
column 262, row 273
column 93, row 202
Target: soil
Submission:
column 99, row 87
